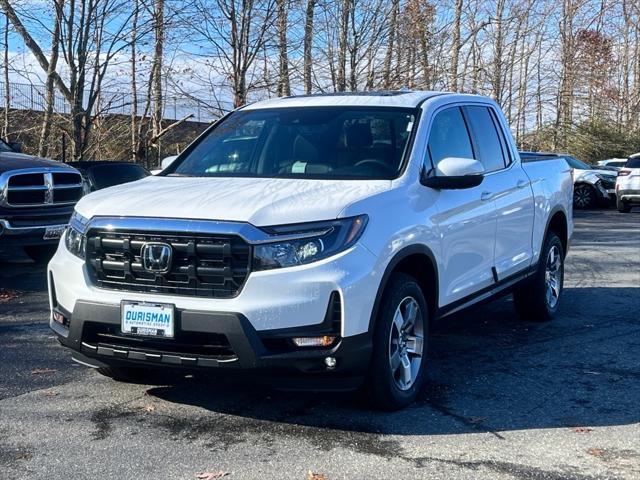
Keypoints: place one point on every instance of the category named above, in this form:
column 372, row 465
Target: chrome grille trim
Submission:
column 48, row 186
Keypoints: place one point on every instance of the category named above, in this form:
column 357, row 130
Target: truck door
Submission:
column 508, row 185
column 466, row 220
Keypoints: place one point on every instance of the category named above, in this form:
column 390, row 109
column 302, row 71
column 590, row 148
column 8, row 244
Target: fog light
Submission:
column 330, row 362
column 324, row 341
column 61, row 319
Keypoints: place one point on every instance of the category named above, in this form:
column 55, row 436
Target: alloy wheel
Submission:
column 406, row 343
column 553, row 277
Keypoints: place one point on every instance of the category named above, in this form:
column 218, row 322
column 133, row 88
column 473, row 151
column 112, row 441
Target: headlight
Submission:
column 306, row 243
column 74, row 238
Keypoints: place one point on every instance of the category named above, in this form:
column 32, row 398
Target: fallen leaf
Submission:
column 582, row 429
column 43, row 371
column 596, row 452
column 7, row 295
column 475, row 420
column 316, row 476
column 211, row 475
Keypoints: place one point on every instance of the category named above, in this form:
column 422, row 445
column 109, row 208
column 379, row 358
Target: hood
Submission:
column 17, row 161
column 581, row 174
column 259, row 201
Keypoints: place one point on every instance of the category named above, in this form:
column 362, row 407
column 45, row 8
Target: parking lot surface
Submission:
column 505, row 399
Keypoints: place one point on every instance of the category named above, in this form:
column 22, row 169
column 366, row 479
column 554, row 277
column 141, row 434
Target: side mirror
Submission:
column 454, row 173
column 15, row 146
column 167, row 161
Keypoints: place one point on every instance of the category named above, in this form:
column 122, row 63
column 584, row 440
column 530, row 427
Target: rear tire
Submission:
column 539, row 298
column 41, row 254
column 584, row 197
column 623, row 207
column 400, row 337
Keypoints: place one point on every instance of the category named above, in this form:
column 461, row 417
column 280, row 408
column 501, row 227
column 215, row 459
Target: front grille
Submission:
column 200, row 344
column 609, row 183
column 43, row 188
column 39, row 220
column 214, row 266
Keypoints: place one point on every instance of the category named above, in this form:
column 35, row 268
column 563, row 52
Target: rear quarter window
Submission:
column 633, row 163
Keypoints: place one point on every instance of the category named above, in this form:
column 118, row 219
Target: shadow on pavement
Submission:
column 489, row 372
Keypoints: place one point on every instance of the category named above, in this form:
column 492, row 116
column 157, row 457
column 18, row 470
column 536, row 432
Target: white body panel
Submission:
column 467, row 235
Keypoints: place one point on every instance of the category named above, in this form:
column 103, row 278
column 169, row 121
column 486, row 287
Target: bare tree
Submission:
column 5, row 72
column 284, row 84
column 308, row 44
column 43, row 144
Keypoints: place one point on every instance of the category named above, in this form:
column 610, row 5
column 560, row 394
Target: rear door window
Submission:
column 486, row 141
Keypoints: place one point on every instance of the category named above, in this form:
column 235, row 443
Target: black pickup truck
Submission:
column 37, row 197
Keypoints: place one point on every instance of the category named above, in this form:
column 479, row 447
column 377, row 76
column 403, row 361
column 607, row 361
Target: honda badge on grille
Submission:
column 156, row 257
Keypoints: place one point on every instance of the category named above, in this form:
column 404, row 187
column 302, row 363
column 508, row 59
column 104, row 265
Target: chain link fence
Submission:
column 26, row 96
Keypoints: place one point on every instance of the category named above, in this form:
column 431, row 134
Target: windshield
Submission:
column 314, row 142
column 575, row 163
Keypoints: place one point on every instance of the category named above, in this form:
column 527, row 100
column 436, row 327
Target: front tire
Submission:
column 623, row 207
column 584, row 197
column 538, row 300
column 399, row 344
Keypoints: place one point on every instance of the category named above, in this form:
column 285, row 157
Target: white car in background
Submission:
column 166, row 161
column 612, row 163
column 592, row 187
column 628, row 185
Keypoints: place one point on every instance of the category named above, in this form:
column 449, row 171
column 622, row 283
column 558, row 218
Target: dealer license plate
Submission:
column 148, row 319
column 53, row 233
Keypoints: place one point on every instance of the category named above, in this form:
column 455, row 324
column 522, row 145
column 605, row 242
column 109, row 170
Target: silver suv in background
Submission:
column 592, row 186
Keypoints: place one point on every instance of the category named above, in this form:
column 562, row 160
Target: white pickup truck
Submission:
column 316, row 237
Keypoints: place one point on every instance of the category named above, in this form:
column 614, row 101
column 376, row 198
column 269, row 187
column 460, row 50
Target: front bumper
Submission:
column 273, row 307
column 12, row 236
column 246, row 348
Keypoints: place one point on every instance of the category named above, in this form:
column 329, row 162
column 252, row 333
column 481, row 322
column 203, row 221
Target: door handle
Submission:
column 486, row 196
column 522, row 183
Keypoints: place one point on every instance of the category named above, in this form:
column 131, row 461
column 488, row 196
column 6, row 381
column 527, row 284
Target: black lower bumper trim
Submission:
column 248, row 350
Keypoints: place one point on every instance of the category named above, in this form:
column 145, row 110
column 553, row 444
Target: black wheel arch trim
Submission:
column 416, row 249
column 552, row 213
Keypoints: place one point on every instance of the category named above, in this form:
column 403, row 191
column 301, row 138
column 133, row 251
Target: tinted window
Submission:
column 449, row 136
column 326, row 142
column 633, row 163
column 575, row 163
column 109, row 175
column 485, row 138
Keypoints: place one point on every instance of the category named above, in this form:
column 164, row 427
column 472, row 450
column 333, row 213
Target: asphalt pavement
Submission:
column 505, row 399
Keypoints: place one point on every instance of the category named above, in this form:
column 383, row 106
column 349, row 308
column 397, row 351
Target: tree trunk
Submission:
column 345, row 14
column 284, row 85
column 158, row 53
column 455, row 47
column 43, row 146
column 135, row 139
column 388, row 57
column 5, row 71
column 498, row 43
column 308, row 44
